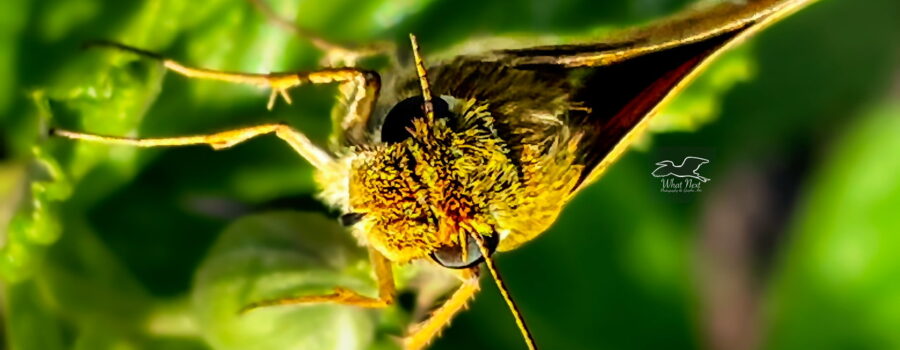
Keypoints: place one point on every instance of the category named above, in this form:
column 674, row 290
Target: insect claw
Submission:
column 276, row 91
column 280, row 84
column 272, row 96
column 285, row 96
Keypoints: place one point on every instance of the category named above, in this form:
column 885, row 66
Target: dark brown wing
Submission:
column 607, row 89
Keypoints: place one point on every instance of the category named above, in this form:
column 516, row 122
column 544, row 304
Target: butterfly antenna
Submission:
column 423, row 78
column 520, row 321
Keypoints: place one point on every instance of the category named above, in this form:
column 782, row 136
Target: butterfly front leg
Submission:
column 280, row 83
column 318, row 157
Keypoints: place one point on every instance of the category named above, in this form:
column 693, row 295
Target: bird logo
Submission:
column 688, row 168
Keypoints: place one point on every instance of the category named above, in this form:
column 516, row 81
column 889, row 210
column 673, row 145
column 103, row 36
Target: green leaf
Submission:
column 838, row 286
column 277, row 255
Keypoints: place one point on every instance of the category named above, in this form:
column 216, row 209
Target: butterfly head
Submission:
column 433, row 183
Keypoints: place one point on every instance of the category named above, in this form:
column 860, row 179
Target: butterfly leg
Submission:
column 423, row 333
column 220, row 140
column 335, row 54
column 280, row 83
column 386, row 290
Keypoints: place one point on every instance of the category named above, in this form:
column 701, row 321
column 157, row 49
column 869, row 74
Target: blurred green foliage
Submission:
column 843, row 261
column 113, row 247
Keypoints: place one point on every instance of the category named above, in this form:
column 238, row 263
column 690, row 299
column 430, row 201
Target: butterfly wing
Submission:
column 623, row 80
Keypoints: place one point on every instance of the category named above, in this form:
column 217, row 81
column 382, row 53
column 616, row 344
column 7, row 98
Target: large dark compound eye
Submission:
column 452, row 257
column 400, row 119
